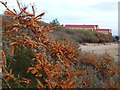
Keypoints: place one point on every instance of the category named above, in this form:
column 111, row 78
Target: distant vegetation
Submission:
column 117, row 38
column 55, row 22
column 38, row 55
column 81, row 36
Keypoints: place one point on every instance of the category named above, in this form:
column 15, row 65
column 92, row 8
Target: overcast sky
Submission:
column 90, row 12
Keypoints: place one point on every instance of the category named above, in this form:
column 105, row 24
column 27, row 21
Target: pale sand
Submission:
column 111, row 48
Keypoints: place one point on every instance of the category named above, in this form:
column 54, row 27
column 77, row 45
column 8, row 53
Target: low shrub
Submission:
column 81, row 36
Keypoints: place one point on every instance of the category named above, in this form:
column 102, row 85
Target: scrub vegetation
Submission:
column 34, row 55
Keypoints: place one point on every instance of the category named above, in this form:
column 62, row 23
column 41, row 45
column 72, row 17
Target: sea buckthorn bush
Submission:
column 30, row 58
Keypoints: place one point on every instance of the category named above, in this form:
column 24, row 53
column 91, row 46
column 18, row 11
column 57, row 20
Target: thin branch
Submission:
column 18, row 5
column 5, row 4
column 33, row 10
column 7, row 84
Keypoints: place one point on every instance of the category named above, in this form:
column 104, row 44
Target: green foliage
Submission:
column 88, row 36
column 21, row 61
column 55, row 22
column 81, row 36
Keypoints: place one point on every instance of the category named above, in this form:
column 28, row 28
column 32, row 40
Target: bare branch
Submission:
column 18, row 5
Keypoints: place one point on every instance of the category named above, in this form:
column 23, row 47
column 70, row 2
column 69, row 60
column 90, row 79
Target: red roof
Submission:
column 81, row 26
column 103, row 29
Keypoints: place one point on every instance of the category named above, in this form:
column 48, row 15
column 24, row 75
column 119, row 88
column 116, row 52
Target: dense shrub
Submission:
column 30, row 58
column 89, row 36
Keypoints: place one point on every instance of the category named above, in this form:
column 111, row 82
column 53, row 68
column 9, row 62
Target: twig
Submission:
column 33, row 10
column 18, row 4
column 7, row 84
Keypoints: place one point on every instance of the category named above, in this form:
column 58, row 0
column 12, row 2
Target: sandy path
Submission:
column 111, row 48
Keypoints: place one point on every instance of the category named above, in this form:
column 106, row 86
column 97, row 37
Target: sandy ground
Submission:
column 111, row 48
